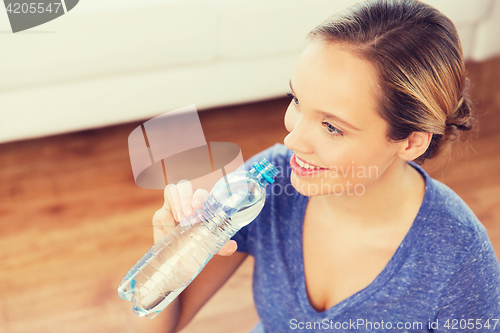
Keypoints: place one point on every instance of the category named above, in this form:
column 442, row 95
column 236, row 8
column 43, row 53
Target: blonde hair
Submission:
column 417, row 53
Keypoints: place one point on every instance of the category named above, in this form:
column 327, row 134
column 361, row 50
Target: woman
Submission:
column 365, row 240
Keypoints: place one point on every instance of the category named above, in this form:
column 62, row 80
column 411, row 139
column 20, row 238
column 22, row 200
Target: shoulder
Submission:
column 450, row 207
column 449, row 216
column 454, row 251
column 451, row 232
column 280, row 205
column 279, row 155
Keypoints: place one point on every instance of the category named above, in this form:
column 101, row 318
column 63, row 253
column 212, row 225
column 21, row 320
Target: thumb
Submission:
column 228, row 248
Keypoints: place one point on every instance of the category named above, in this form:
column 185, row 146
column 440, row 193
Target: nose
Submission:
column 298, row 139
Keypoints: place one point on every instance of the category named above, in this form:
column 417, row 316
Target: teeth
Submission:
column 305, row 165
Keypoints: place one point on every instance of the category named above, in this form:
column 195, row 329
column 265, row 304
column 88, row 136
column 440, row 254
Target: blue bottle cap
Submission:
column 266, row 169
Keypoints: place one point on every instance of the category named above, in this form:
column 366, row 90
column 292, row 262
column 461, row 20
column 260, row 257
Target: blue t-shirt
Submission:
column 444, row 277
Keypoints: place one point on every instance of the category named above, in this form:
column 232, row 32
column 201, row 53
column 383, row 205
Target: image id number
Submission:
column 24, row 8
column 455, row 324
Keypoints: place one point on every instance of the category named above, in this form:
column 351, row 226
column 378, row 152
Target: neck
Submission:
column 384, row 201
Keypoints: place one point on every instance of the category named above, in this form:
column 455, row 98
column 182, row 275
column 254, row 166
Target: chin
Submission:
column 313, row 186
column 310, row 187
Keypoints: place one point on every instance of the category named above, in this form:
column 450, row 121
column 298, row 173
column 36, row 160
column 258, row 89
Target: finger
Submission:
column 163, row 219
column 197, row 202
column 167, row 197
column 163, row 223
column 185, row 190
column 172, row 198
column 228, row 248
column 199, row 198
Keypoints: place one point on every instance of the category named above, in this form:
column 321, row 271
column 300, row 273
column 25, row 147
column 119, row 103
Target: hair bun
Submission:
column 460, row 120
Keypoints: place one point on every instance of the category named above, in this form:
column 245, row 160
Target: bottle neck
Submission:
column 259, row 177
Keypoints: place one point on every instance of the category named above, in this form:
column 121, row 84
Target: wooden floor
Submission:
column 72, row 220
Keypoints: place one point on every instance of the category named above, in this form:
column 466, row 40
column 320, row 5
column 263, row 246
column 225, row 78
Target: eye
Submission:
column 332, row 129
column 295, row 100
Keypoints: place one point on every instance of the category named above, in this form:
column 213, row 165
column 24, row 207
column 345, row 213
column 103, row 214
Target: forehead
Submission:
column 330, row 77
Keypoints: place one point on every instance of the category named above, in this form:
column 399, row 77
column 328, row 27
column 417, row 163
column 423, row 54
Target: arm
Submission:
column 205, row 285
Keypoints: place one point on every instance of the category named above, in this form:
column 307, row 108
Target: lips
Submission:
column 303, row 168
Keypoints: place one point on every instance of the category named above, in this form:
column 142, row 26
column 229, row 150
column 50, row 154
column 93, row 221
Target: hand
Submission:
column 179, row 202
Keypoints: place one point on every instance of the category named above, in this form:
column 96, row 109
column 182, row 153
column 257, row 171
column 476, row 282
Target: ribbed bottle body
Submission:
column 173, row 262
column 177, row 258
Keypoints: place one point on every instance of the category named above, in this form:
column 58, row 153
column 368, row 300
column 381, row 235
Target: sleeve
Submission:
column 472, row 299
column 272, row 154
column 241, row 238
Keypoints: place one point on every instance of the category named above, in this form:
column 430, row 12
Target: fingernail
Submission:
column 196, row 202
column 180, row 216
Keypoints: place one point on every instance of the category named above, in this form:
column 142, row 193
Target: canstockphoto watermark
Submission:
column 348, row 188
column 457, row 325
column 25, row 15
column 171, row 147
column 353, row 183
column 358, row 324
column 349, row 171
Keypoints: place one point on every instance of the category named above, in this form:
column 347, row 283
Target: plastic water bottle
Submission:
column 177, row 258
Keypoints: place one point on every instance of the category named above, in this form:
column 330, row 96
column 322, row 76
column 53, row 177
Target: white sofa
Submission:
column 114, row 61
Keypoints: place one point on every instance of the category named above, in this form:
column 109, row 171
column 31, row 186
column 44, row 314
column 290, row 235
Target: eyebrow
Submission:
column 330, row 116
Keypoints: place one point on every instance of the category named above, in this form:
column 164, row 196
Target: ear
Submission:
column 415, row 145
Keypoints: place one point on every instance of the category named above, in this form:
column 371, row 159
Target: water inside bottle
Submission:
column 168, row 268
column 163, row 273
column 146, row 287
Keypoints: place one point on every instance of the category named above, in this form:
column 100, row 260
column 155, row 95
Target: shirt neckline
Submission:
column 392, row 267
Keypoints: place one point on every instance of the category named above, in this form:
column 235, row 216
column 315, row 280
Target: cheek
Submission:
column 290, row 118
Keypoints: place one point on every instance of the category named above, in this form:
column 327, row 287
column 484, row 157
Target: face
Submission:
column 337, row 136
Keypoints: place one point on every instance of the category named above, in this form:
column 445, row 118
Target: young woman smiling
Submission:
column 380, row 85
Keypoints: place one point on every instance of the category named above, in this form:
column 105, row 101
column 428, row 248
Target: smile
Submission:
column 302, row 168
column 306, row 165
